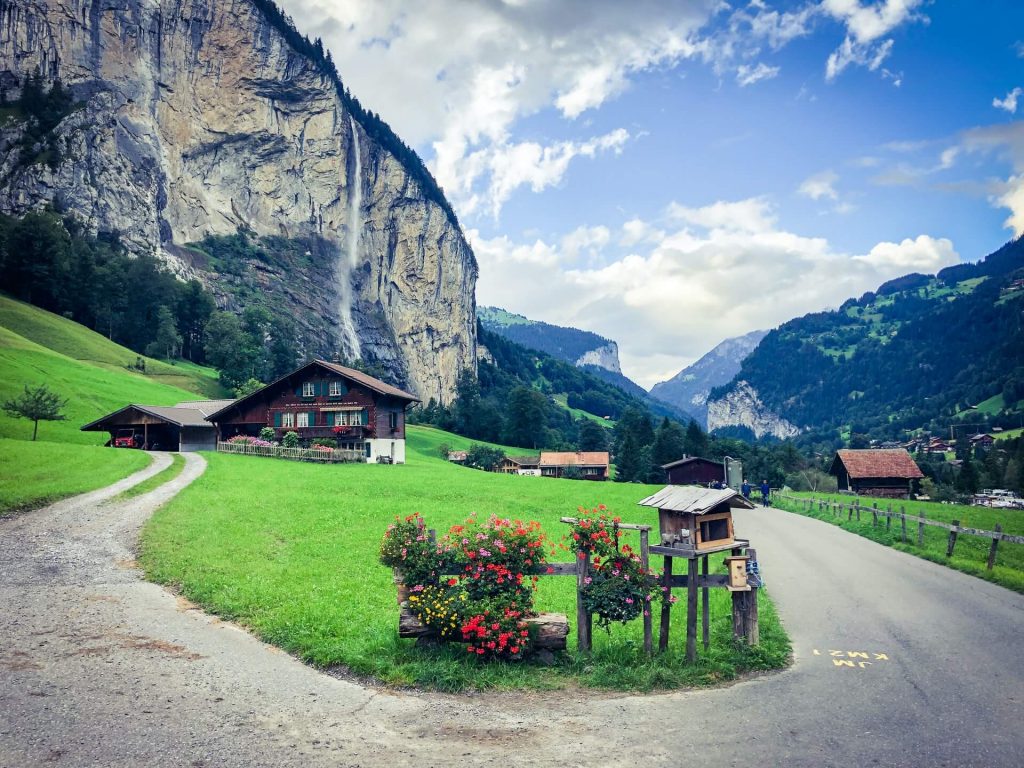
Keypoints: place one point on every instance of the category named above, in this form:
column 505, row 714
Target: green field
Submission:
column 971, row 552
column 35, row 474
column 290, row 551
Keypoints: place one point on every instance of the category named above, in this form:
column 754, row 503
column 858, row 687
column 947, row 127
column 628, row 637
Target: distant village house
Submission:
column 693, row 470
column 520, row 465
column 591, row 465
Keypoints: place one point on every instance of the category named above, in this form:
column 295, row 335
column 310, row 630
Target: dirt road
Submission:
column 898, row 662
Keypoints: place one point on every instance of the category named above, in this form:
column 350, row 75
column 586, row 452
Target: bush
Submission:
column 484, row 457
column 290, row 440
column 268, row 434
column 325, row 442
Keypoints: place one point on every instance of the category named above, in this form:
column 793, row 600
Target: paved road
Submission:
column 898, row 662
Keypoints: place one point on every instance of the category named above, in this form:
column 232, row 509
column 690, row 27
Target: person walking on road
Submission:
column 745, row 489
column 766, row 491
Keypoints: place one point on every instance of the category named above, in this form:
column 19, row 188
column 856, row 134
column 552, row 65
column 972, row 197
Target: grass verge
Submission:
column 33, row 475
column 289, row 550
column 971, row 552
column 161, row 477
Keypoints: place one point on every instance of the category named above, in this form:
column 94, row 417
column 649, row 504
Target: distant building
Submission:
column 520, row 465
column 457, row 457
column 693, row 470
column 983, row 441
column 886, row 473
column 593, row 465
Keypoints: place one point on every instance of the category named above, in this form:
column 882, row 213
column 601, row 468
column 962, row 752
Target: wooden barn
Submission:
column 323, row 399
column 182, row 427
column 520, row 465
column 885, row 473
column 693, row 470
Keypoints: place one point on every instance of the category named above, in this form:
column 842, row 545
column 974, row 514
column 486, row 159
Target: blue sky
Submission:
column 673, row 174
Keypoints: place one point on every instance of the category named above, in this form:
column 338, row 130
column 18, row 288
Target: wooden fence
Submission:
column 334, row 456
column 838, row 508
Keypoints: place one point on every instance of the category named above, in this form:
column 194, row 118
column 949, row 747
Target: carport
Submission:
column 182, row 427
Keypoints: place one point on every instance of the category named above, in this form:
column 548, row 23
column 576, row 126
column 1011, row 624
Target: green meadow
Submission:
column 970, row 554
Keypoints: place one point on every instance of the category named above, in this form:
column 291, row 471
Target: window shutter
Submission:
column 298, row 391
column 312, row 418
column 321, row 389
column 277, row 419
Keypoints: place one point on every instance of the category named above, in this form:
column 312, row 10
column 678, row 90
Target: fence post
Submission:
column 583, row 618
column 666, row 605
column 952, row 539
column 903, row 524
column 645, row 563
column 874, row 515
column 992, row 549
column 691, row 610
column 920, row 533
column 705, row 607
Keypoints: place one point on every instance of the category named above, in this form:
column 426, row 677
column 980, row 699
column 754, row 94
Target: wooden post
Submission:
column 992, row 550
column 666, row 605
column 920, row 533
column 645, row 563
column 705, row 607
column 903, row 525
column 874, row 515
column 952, row 540
column 691, row 611
column 583, row 618
column 753, row 627
column 739, row 614
column 849, row 513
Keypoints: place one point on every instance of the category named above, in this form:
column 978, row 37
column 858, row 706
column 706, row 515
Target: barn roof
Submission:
column 181, row 417
column 694, row 499
column 573, row 458
column 886, row 462
column 359, row 377
column 206, row 406
column 689, row 459
column 521, row 460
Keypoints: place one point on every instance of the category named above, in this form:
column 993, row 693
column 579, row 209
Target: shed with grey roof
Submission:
column 182, row 427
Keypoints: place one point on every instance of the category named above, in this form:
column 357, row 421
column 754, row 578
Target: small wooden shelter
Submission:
column 886, row 473
column 182, row 427
column 695, row 520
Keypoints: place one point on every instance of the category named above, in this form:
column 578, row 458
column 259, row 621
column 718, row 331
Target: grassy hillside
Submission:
column 91, row 388
column 79, row 343
column 290, row 551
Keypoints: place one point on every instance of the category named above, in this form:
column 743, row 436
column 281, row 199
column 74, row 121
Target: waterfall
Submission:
column 348, row 259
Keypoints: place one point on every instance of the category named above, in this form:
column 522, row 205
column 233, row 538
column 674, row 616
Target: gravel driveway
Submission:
column 100, row 668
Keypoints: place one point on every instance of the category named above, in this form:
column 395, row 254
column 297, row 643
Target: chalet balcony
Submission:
column 344, row 433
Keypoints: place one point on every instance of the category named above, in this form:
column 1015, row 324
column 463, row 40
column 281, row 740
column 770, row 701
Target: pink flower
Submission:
column 587, row 580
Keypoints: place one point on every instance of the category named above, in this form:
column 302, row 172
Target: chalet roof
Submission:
column 694, row 499
column 457, row 455
column 181, row 417
column 689, row 459
column 573, row 458
column 206, row 407
column 521, row 460
column 895, row 462
column 359, row 377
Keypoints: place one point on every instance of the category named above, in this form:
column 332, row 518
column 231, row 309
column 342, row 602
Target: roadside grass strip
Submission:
column 33, row 475
column 971, row 552
column 289, row 550
column 161, row 477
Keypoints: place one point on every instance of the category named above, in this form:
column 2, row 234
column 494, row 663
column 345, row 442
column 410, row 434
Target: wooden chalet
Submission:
column 182, row 427
column 983, row 441
column 323, row 399
column 693, row 470
column 520, row 465
column 883, row 473
column 592, row 464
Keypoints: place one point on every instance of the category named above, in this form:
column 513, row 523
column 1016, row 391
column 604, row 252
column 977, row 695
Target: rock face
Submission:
column 606, row 357
column 198, row 118
column 689, row 389
column 742, row 407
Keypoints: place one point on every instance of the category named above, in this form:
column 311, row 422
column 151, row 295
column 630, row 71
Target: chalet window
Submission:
column 309, row 389
column 303, row 420
column 352, row 418
column 287, row 420
column 393, row 420
column 335, row 389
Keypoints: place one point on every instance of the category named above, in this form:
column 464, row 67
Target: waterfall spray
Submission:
column 348, row 259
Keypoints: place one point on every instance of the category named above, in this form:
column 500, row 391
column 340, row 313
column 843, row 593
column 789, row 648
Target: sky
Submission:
column 672, row 174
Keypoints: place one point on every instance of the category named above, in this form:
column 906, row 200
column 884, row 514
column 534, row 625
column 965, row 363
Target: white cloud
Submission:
column 1010, row 102
column 585, row 241
column 865, row 26
column 924, row 254
column 820, row 185
column 746, row 75
column 714, row 271
column 1006, row 141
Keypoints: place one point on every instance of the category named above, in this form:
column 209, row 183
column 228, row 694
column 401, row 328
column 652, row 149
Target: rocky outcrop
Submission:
column 742, row 407
column 198, row 118
column 606, row 357
column 689, row 389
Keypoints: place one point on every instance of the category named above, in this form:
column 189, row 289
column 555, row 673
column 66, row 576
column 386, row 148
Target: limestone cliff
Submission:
column 199, row 118
column 606, row 357
column 742, row 407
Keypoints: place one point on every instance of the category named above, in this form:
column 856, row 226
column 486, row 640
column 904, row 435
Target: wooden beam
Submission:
column 706, row 609
column 691, row 613
column 666, row 616
column 645, row 563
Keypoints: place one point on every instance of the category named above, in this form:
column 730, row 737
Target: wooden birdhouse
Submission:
column 737, row 572
column 696, row 520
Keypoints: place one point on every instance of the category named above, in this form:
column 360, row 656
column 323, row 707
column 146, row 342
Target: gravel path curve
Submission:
column 100, row 668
